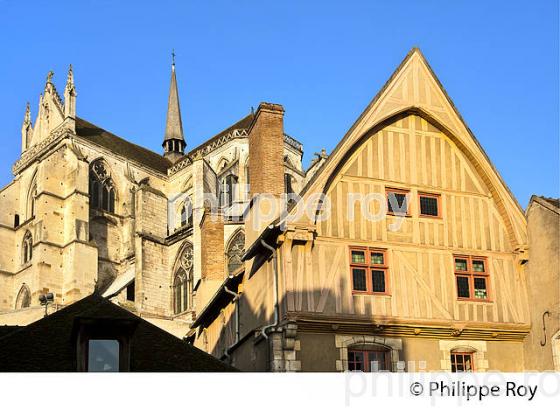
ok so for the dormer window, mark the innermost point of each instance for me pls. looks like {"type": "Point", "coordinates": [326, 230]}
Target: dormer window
{"type": "Point", "coordinates": [103, 355]}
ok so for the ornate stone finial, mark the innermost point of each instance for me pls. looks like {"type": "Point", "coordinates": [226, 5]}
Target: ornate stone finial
{"type": "Point", "coordinates": [27, 117]}
{"type": "Point", "coordinates": [50, 75]}
{"type": "Point", "coordinates": [70, 95]}
{"type": "Point", "coordinates": [70, 78]}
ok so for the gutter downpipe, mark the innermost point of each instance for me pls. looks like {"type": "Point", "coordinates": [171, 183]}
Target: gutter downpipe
{"type": "Point", "coordinates": [276, 307]}
{"type": "Point", "coordinates": [236, 300]}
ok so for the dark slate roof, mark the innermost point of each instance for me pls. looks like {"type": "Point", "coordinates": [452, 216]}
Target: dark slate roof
{"type": "Point", "coordinates": [103, 138]}
{"type": "Point", "coordinates": [6, 330]}
{"type": "Point", "coordinates": [243, 123]}
{"type": "Point", "coordinates": [49, 344]}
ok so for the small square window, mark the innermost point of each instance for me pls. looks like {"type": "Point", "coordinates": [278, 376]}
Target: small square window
{"type": "Point", "coordinates": [429, 205]}
{"type": "Point", "coordinates": [397, 203]}
{"type": "Point", "coordinates": [378, 281]}
{"type": "Point", "coordinates": [358, 257]}
{"type": "Point", "coordinates": [478, 266]}
{"type": "Point", "coordinates": [461, 265]}
{"type": "Point", "coordinates": [359, 279]}
{"type": "Point", "coordinates": [463, 287]}
{"type": "Point", "coordinates": [377, 258]}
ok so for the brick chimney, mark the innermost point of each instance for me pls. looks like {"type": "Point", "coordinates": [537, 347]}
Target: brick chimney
{"type": "Point", "coordinates": [266, 150]}
{"type": "Point", "coordinates": [212, 240]}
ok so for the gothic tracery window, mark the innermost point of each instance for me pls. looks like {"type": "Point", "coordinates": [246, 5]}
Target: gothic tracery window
{"type": "Point", "coordinates": [182, 281]}
{"type": "Point", "coordinates": [27, 247]}
{"type": "Point", "coordinates": [235, 252]}
{"type": "Point", "coordinates": [101, 188]}
{"type": "Point", "coordinates": [23, 299]}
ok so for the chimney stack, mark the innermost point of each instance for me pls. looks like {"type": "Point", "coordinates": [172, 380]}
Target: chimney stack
{"type": "Point", "coordinates": [266, 150]}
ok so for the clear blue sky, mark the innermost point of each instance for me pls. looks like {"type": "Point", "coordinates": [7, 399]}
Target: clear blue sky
{"type": "Point", "coordinates": [323, 60]}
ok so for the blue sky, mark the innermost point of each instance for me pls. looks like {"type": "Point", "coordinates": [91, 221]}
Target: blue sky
{"type": "Point", "coordinates": [323, 60]}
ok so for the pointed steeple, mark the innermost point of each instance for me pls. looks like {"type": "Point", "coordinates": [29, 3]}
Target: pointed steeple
{"type": "Point", "coordinates": [173, 141]}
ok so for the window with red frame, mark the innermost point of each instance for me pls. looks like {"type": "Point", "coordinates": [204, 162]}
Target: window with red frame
{"type": "Point", "coordinates": [471, 275]}
{"type": "Point", "coordinates": [397, 201]}
{"type": "Point", "coordinates": [429, 205]}
{"type": "Point", "coordinates": [369, 360]}
{"type": "Point", "coordinates": [462, 362]}
{"type": "Point", "coordinates": [369, 270]}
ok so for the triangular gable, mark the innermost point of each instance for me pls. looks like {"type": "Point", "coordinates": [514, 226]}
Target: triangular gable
{"type": "Point", "coordinates": [414, 88]}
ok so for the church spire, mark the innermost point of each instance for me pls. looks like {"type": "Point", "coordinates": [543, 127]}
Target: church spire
{"type": "Point", "coordinates": [173, 141]}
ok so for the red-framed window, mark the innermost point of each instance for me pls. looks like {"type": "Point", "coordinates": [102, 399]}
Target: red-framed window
{"type": "Point", "coordinates": [369, 269]}
{"type": "Point", "coordinates": [462, 362]}
{"type": "Point", "coordinates": [429, 205]}
{"type": "Point", "coordinates": [398, 201]}
{"type": "Point", "coordinates": [472, 278]}
{"type": "Point", "coordinates": [369, 360]}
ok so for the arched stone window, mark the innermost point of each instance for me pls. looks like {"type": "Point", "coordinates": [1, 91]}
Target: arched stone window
{"type": "Point", "coordinates": [27, 247]}
{"type": "Point", "coordinates": [235, 252]}
{"type": "Point", "coordinates": [368, 353]}
{"type": "Point", "coordinates": [229, 186]}
{"type": "Point", "coordinates": [186, 213]}
{"type": "Point", "coordinates": [463, 355]}
{"type": "Point", "coordinates": [102, 191]}
{"type": "Point", "coordinates": [23, 299]}
{"type": "Point", "coordinates": [369, 358]}
{"type": "Point", "coordinates": [31, 198]}
{"type": "Point", "coordinates": [182, 280]}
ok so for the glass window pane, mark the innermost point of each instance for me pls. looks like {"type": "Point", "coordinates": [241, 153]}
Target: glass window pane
{"type": "Point", "coordinates": [480, 291]}
{"type": "Point", "coordinates": [478, 266]}
{"type": "Point", "coordinates": [355, 361]}
{"type": "Point", "coordinates": [396, 203]}
{"type": "Point", "coordinates": [463, 287]}
{"type": "Point", "coordinates": [378, 280]}
{"type": "Point", "coordinates": [359, 279]}
{"type": "Point", "coordinates": [103, 356]}
{"type": "Point", "coordinates": [461, 264]}
{"type": "Point", "coordinates": [429, 205]}
{"type": "Point", "coordinates": [377, 258]}
{"type": "Point", "coordinates": [453, 363]}
{"type": "Point", "coordinates": [358, 257]}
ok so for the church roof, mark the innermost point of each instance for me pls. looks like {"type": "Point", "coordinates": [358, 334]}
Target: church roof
{"type": "Point", "coordinates": [103, 138]}
{"type": "Point", "coordinates": [243, 124]}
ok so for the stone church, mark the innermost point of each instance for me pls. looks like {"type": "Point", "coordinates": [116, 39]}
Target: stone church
{"type": "Point", "coordinates": [185, 239]}
{"type": "Point", "coordinates": [89, 211]}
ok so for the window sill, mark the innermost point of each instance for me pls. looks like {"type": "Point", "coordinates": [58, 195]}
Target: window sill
{"type": "Point", "coordinates": [355, 292]}
{"type": "Point", "coordinates": [487, 301]}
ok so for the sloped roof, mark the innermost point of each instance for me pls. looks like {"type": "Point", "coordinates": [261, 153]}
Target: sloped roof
{"type": "Point", "coordinates": [7, 329]}
{"type": "Point", "coordinates": [553, 201]}
{"type": "Point", "coordinates": [49, 344]}
{"type": "Point", "coordinates": [103, 138]}
{"type": "Point", "coordinates": [553, 204]}
{"type": "Point", "coordinates": [243, 123]}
